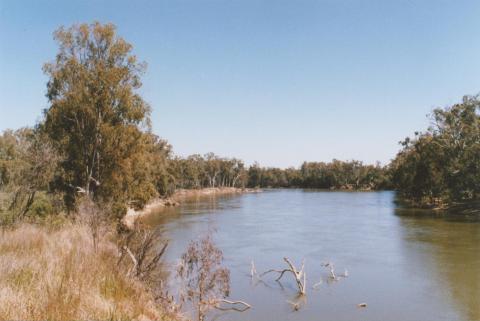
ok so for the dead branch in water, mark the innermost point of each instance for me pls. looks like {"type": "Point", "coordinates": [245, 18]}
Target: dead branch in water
{"type": "Point", "coordinates": [299, 275]}
{"type": "Point", "coordinates": [253, 271]}
{"type": "Point", "coordinates": [234, 304]}
{"type": "Point", "coordinates": [333, 276]}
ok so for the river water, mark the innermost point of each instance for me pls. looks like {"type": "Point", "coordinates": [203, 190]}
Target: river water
{"type": "Point", "coordinates": [405, 265]}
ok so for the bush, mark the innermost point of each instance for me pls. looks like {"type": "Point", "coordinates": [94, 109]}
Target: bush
{"type": "Point", "coordinates": [41, 207]}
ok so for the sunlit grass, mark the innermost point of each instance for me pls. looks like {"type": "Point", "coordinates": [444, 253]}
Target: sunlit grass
{"type": "Point", "coordinates": [57, 275]}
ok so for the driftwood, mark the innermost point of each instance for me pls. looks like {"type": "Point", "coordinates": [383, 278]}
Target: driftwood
{"type": "Point", "coordinates": [332, 277]}
{"type": "Point", "coordinates": [253, 270]}
{"type": "Point", "coordinates": [299, 275]}
{"type": "Point", "coordinates": [234, 307]}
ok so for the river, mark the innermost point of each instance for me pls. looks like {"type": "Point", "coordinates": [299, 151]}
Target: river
{"type": "Point", "coordinates": [405, 265]}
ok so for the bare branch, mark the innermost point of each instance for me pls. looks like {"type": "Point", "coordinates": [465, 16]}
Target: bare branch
{"type": "Point", "coordinates": [245, 305]}
{"type": "Point", "coordinates": [297, 274]}
{"type": "Point", "coordinates": [253, 270]}
{"type": "Point", "coordinates": [134, 260]}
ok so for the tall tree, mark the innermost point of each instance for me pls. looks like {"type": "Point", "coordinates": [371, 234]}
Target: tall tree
{"type": "Point", "coordinates": [96, 117]}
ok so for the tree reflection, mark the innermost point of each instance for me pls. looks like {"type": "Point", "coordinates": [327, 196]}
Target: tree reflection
{"type": "Point", "coordinates": [451, 255]}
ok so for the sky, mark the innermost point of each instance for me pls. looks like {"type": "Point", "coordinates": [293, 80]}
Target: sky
{"type": "Point", "coordinates": [277, 82]}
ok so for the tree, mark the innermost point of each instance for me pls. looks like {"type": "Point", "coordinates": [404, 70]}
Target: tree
{"type": "Point", "coordinates": [212, 168]}
{"type": "Point", "coordinates": [206, 282]}
{"type": "Point", "coordinates": [27, 166]}
{"type": "Point", "coordinates": [96, 116]}
{"type": "Point", "coordinates": [442, 165]}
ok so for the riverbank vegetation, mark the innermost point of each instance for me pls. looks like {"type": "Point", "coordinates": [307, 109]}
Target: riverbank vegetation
{"type": "Point", "coordinates": [198, 171]}
{"type": "Point", "coordinates": [349, 175]}
{"type": "Point", "coordinates": [66, 183]}
{"type": "Point", "coordinates": [58, 274]}
{"type": "Point", "coordinates": [441, 166]}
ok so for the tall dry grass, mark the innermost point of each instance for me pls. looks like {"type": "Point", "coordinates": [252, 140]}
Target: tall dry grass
{"type": "Point", "coordinates": [57, 275]}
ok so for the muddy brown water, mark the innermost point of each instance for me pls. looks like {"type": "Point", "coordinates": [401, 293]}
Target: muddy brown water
{"type": "Point", "coordinates": [405, 265]}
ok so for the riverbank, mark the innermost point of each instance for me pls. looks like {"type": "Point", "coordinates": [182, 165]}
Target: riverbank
{"type": "Point", "coordinates": [180, 196]}
{"type": "Point", "coordinates": [60, 274]}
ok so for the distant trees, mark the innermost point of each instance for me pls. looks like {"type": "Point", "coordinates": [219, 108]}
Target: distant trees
{"type": "Point", "coordinates": [442, 165]}
{"type": "Point", "coordinates": [337, 174]}
{"type": "Point", "coordinates": [198, 171]}
{"type": "Point", "coordinates": [346, 175]}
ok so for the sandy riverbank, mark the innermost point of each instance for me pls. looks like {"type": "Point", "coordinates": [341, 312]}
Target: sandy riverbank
{"type": "Point", "coordinates": [180, 196]}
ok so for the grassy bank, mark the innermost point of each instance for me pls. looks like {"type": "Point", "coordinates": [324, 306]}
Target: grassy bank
{"type": "Point", "coordinates": [57, 275]}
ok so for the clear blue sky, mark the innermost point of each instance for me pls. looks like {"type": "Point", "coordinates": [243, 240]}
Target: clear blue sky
{"type": "Point", "coordinates": [275, 81]}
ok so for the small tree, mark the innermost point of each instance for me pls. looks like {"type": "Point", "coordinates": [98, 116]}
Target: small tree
{"type": "Point", "coordinates": [90, 214]}
{"type": "Point", "coordinates": [204, 278]}
{"type": "Point", "coordinates": [144, 247]}
{"type": "Point", "coordinates": [206, 283]}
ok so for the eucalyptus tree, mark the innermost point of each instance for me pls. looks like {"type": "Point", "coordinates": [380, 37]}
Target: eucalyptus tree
{"type": "Point", "coordinates": [442, 165]}
{"type": "Point", "coordinates": [96, 118]}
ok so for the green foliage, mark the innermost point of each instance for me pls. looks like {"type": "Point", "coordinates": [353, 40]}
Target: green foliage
{"type": "Point", "coordinates": [98, 122]}
{"type": "Point", "coordinates": [28, 163]}
{"type": "Point", "coordinates": [198, 171]}
{"type": "Point", "coordinates": [335, 175]}
{"type": "Point", "coordinates": [41, 207]}
{"type": "Point", "coordinates": [442, 165]}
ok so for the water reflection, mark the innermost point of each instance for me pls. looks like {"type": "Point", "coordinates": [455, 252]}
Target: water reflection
{"type": "Point", "coordinates": [446, 246]}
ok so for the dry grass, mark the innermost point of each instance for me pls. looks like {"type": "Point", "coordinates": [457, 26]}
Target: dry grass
{"type": "Point", "coordinates": [57, 275]}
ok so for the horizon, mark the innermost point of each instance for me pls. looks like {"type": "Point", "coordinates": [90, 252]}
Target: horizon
{"type": "Point", "coordinates": [272, 82]}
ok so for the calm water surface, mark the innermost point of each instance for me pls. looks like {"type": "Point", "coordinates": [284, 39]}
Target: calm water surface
{"type": "Point", "coordinates": [404, 265]}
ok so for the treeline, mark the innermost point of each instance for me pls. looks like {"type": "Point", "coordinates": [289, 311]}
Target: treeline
{"type": "Point", "coordinates": [95, 141]}
{"type": "Point", "coordinates": [349, 175]}
{"type": "Point", "coordinates": [198, 171]}
{"type": "Point", "coordinates": [441, 166]}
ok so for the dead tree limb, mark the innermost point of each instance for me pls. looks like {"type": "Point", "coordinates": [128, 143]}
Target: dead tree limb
{"type": "Point", "coordinates": [300, 275]}
{"type": "Point", "coordinates": [253, 270]}
{"type": "Point", "coordinates": [134, 260]}
{"type": "Point", "coordinates": [234, 304]}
